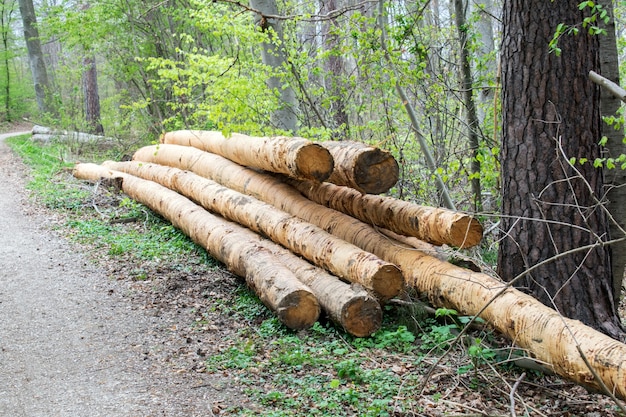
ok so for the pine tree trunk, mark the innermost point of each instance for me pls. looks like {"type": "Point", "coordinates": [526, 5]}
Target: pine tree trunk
{"type": "Point", "coordinates": [550, 107]}
{"type": "Point", "coordinates": [91, 97]}
{"type": "Point", "coordinates": [285, 117]}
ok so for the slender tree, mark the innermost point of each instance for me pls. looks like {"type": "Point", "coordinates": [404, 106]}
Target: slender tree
{"type": "Point", "coordinates": [273, 54]}
{"type": "Point", "coordinates": [615, 178]}
{"type": "Point", "coordinates": [90, 91]}
{"type": "Point", "coordinates": [334, 66]}
{"type": "Point", "coordinates": [551, 217]}
{"type": "Point", "coordinates": [42, 85]}
{"type": "Point", "coordinates": [468, 99]}
{"type": "Point", "coordinates": [6, 19]}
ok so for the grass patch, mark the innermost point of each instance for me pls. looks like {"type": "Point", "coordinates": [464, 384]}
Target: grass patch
{"type": "Point", "coordinates": [99, 217]}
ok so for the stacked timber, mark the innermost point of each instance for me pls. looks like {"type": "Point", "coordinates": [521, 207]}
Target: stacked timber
{"type": "Point", "coordinates": [302, 243]}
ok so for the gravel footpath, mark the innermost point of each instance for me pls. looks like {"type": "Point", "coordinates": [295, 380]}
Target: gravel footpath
{"type": "Point", "coordinates": [71, 342]}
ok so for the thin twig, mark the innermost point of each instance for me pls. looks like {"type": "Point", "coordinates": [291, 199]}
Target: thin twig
{"type": "Point", "coordinates": [512, 393]}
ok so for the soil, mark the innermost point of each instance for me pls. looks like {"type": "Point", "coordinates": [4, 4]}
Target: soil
{"type": "Point", "coordinates": [75, 340]}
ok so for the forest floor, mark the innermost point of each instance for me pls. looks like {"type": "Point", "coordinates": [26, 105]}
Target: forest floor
{"type": "Point", "coordinates": [86, 334]}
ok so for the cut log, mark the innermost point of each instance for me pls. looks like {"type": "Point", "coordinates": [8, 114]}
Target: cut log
{"type": "Point", "coordinates": [296, 157]}
{"type": "Point", "coordinates": [365, 168]}
{"type": "Point", "coordinates": [350, 306]}
{"type": "Point", "coordinates": [548, 336]}
{"type": "Point", "coordinates": [433, 225]}
{"type": "Point", "coordinates": [321, 248]}
{"type": "Point", "coordinates": [45, 134]}
{"type": "Point", "coordinates": [243, 251]}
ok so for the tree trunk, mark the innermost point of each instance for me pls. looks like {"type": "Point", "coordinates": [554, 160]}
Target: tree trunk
{"type": "Point", "coordinates": [43, 91]}
{"type": "Point", "coordinates": [296, 157]}
{"type": "Point", "coordinates": [343, 259]}
{"type": "Point", "coordinates": [6, 14]}
{"type": "Point", "coordinates": [470, 107]}
{"type": "Point", "coordinates": [433, 225]}
{"type": "Point", "coordinates": [615, 179]}
{"type": "Point", "coordinates": [91, 97]}
{"type": "Point", "coordinates": [273, 54]}
{"type": "Point", "coordinates": [334, 68]}
{"type": "Point", "coordinates": [549, 210]}
{"type": "Point", "coordinates": [548, 336]}
{"type": "Point", "coordinates": [486, 70]}
{"type": "Point", "coordinates": [241, 250]}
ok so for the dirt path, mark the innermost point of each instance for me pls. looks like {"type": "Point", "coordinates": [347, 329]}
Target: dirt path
{"type": "Point", "coordinates": [71, 343]}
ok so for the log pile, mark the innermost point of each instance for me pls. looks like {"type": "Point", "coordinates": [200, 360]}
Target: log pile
{"type": "Point", "coordinates": [260, 223]}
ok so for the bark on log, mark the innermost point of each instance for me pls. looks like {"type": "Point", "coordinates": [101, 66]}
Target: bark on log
{"type": "Point", "coordinates": [433, 225]}
{"type": "Point", "coordinates": [243, 251]}
{"type": "Point", "coordinates": [365, 168]}
{"type": "Point", "coordinates": [343, 259]}
{"type": "Point", "coordinates": [296, 157]}
{"type": "Point", "coordinates": [548, 336]}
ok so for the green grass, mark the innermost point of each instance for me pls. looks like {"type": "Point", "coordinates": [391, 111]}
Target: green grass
{"type": "Point", "coordinates": [93, 218]}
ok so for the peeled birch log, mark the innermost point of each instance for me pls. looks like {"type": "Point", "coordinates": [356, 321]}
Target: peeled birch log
{"type": "Point", "coordinates": [365, 168]}
{"type": "Point", "coordinates": [343, 259]}
{"type": "Point", "coordinates": [243, 251]}
{"type": "Point", "coordinates": [548, 336]}
{"type": "Point", "coordinates": [350, 306]}
{"type": "Point", "coordinates": [296, 157]}
{"type": "Point", "coordinates": [433, 225]}
{"type": "Point", "coordinates": [45, 134]}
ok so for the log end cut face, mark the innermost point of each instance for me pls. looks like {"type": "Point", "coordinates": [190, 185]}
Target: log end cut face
{"type": "Point", "coordinates": [314, 162]}
{"type": "Point", "coordinates": [299, 310]}
{"type": "Point", "coordinates": [362, 317]}
{"type": "Point", "coordinates": [376, 171]}
{"type": "Point", "coordinates": [466, 232]}
{"type": "Point", "coordinates": [387, 282]}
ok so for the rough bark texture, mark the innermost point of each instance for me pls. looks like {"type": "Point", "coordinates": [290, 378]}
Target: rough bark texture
{"type": "Point", "coordinates": [365, 168]}
{"type": "Point", "coordinates": [244, 252]}
{"type": "Point", "coordinates": [548, 102]}
{"type": "Point", "coordinates": [615, 179]}
{"type": "Point", "coordinates": [341, 258]}
{"type": "Point", "coordinates": [433, 225]}
{"type": "Point", "coordinates": [547, 335]}
{"type": "Point", "coordinates": [296, 157]}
